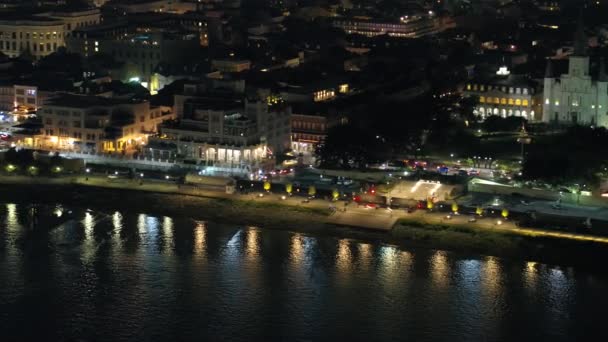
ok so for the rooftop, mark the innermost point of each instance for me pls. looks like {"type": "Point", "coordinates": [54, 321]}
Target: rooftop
{"type": "Point", "coordinates": [82, 101]}
{"type": "Point", "coordinates": [16, 18]}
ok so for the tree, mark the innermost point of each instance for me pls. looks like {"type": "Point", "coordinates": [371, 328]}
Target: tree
{"type": "Point", "coordinates": [495, 123]}
{"type": "Point", "coordinates": [288, 188]}
{"type": "Point", "coordinates": [312, 191]}
{"type": "Point", "coordinates": [577, 155]}
{"type": "Point", "coordinates": [348, 146]}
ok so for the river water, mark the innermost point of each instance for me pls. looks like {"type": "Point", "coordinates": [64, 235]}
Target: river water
{"type": "Point", "coordinates": [99, 276]}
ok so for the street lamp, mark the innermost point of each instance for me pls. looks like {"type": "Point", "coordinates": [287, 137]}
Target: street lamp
{"type": "Point", "coordinates": [87, 170]}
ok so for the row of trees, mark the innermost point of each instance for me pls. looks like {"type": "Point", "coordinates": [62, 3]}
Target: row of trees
{"type": "Point", "coordinates": [312, 190]}
{"type": "Point", "coordinates": [30, 163]}
{"type": "Point", "coordinates": [576, 155]}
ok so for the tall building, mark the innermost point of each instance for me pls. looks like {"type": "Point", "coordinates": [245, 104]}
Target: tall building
{"type": "Point", "coordinates": [577, 97]}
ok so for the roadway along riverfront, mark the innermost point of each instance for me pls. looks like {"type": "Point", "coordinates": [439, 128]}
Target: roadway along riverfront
{"type": "Point", "coordinates": [350, 215]}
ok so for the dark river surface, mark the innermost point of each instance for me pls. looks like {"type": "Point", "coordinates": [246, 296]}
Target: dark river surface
{"type": "Point", "coordinates": [96, 276]}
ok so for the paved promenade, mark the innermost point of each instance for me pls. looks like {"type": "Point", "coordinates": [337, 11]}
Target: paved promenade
{"type": "Point", "coordinates": [355, 216]}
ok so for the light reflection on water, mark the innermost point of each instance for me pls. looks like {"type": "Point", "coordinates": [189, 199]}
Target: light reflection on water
{"type": "Point", "coordinates": [200, 238]}
{"type": "Point", "coordinates": [206, 281]}
{"type": "Point", "coordinates": [440, 269]}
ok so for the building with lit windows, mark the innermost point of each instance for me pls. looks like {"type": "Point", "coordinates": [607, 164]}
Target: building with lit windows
{"type": "Point", "coordinates": [39, 36]}
{"type": "Point", "coordinates": [97, 124]}
{"type": "Point", "coordinates": [307, 131]}
{"type": "Point", "coordinates": [141, 51]}
{"type": "Point", "coordinates": [226, 130]}
{"type": "Point", "coordinates": [577, 97]}
{"type": "Point", "coordinates": [75, 19]}
{"type": "Point", "coordinates": [506, 95]}
{"type": "Point", "coordinates": [412, 26]}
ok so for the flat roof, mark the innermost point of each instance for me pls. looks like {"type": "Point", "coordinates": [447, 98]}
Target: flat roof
{"type": "Point", "coordinates": [84, 101]}
{"type": "Point", "coordinates": [15, 18]}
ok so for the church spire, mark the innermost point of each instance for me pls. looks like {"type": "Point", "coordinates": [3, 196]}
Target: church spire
{"type": "Point", "coordinates": [580, 39]}
{"type": "Point", "coordinates": [549, 69]}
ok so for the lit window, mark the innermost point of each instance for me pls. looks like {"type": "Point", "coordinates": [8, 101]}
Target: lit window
{"type": "Point", "coordinates": [518, 102]}
{"type": "Point", "coordinates": [547, 101]}
{"type": "Point", "coordinates": [96, 43]}
{"type": "Point", "coordinates": [482, 99]}
{"type": "Point", "coordinates": [592, 106]}
{"type": "Point", "coordinates": [524, 103]}
{"type": "Point", "coordinates": [511, 102]}
{"type": "Point", "coordinates": [557, 103]}
{"type": "Point", "coordinates": [503, 101]}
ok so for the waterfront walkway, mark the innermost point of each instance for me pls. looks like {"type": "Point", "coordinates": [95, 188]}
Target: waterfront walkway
{"type": "Point", "coordinates": [350, 215]}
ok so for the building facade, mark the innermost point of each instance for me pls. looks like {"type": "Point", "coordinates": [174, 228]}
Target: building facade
{"type": "Point", "coordinates": [413, 26]}
{"type": "Point", "coordinates": [307, 131]}
{"type": "Point", "coordinates": [39, 36]}
{"type": "Point", "coordinates": [576, 97]}
{"type": "Point", "coordinates": [97, 124]}
{"type": "Point", "coordinates": [227, 130]}
{"type": "Point", "coordinates": [506, 95]}
{"type": "Point", "coordinates": [141, 51]}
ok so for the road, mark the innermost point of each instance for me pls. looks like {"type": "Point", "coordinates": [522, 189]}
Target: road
{"type": "Point", "coordinates": [379, 219]}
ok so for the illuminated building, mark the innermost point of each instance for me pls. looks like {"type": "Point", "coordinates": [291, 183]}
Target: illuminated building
{"type": "Point", "coordinates": [141, 51]}
{"type": "Point", "coordinates": [226, 130]}
{"type": "Point", "coordinates": [39, 36]}
{"type": "Point", "coordinates": [230, 65]}
{"type": "Point", "coordinates": [307, 131]}
{"type": "Point", "coordinates": [75, 19]}
{"type": "Point", "coordinates": [577, 97]}
{"type": "Point", "coordinates": [42, 33]}
{"type": "Point", "coordinates": [506, 95]}
{"type": "Point", "coordinates": [98, 124]}
{"type": "Point", "coordinates": [143, 6]}
{"type": "Point", "coordinates": [410, 26]}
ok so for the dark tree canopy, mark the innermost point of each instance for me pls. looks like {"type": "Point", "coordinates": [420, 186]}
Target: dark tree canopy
{"type": "Point", "coordinates": [348, 146]}
{"type": "Point", "coordinates": [579, 154]}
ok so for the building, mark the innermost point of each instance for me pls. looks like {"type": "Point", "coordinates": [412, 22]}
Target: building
{"type": "Point", "coordinates": [230, 65]}
{"type": "Point", "coordinates": [7, 97]}
{"type": "Point", "coordinates": [75, 19]}
{"type": "Point", "coordinates": [307, 131]}
{"type": "Point", "coordinates": [141, 51]}
{"type": "Point", "coordinates": [143, 6]}
{"type": "Point", "coordinates": [39, 36]}
{"type": "Point", "coordinates": [227, 130]}
{"type": "Point", "coordinates": [411, 26]}
{"type": "Point", "coordinates": [97, 124]}
{"type": "Point", "coordinates": [506, 95]}
{"type": "Point", "coordinates": [577, 97]}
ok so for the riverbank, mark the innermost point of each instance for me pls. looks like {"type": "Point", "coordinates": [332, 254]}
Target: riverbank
{"type": "Point", "coordinates": [408, 232]}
